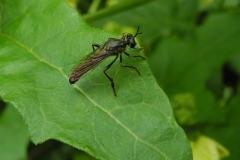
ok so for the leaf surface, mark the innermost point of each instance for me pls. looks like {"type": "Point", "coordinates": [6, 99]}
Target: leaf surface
{"type": "Point", "coordinates": [40, 41]}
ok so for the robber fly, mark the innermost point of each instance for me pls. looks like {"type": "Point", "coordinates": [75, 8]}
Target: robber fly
{"type": "Point", "coordinates": [113, 47]}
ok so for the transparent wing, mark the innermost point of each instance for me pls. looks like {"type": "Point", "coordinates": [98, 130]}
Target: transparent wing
{"type": "Point", "coordinates": [87, 64]}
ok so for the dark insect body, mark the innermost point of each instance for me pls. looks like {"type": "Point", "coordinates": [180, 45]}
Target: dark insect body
{"type": "Point", "coordinates": [113, 47]}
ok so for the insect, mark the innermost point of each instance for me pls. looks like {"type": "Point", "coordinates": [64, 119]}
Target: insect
{"type": "Point", "coordinates": [113, 47]}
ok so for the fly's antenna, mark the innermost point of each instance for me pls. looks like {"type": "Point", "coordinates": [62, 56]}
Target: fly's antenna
{"type": "Point", "coordinates": [137, 32]}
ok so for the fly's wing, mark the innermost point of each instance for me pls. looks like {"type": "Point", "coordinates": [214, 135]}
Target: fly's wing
{"type": "Point", "coordinates": [88, 63]}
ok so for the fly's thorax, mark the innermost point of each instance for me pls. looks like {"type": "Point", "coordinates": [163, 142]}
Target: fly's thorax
{"type": "Point", "coordinates": [115, 45]}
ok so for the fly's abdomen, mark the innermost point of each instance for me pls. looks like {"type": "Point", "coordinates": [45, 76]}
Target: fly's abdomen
{"type": "Point", "coordinates": [77, 74]}
{"type": "Point", "coordinates": [74, 78]}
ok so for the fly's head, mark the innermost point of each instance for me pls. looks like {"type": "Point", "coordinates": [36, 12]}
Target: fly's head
{"type": "Point", "coordinates": [130, 39]}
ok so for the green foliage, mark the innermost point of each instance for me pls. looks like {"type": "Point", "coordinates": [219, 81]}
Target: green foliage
{"type": "Point", "coordinates": [14, 136]}
{"type": "Point", "coordinates": [187, 66]}
{"type": "Point", "coordinates": [156, 18]}
{"type": "Point", "coordinates": [191, 48]}
{"type": "Point", "coordinates": [40, 41]}
{"type": "Point", "coordinates": [228, 132]}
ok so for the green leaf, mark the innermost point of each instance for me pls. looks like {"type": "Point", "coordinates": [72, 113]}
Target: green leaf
{"type": "Point", "coordinates": [185, 66]}
{"type": "Point", "coordinates": [227, 132]}
{"type": "Point", "coordinates": [14, 137]}
{"type": "Point", "coordinates": [40, 41]}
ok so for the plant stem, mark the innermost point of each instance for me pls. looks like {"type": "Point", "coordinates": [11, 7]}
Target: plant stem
{"type": "Point", "coordinates": [115, 9]}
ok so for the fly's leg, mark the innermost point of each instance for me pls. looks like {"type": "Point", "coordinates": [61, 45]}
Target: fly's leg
{"type": "Point", "coordinates": [129, 55]}
{"type": "Point", "coordinates": [110, 79]}
{"type": "Point", "coordinates": [129, 66]}
{"type": "Point", "coordinates": [95, 45]}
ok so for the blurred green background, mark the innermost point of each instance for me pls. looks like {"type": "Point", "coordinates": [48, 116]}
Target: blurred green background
{"type": "Point", "coordinates": [192, 48]}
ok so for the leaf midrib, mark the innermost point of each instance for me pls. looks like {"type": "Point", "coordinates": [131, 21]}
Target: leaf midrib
{"type": "Point", "coordinates": [85, 94]}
